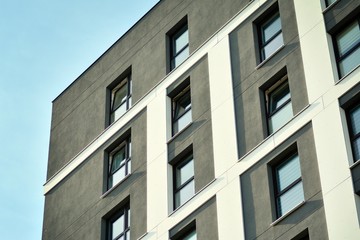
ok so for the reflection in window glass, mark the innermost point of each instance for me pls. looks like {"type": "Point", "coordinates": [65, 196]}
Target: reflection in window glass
{"type": "Point", "coordinates": [120, 99]}
{"type": "Point", "coordinates": [179, 47]}
{"type": "Point", "coordinates": [119, 163]}
{"type": "Point", "coordinates": [289, 187]}
{"type": "Point", "coordinates": [119, 225]}
{"type": "Point", "coordinates": [354, 130]}
{"type": "Point", "coordinates": [348, 48]}
{"type": "Point", "coordinates": [181, 110]}
{"type": "Point", "coordinates": [184, 185]}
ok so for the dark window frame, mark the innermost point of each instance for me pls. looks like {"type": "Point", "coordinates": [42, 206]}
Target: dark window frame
{"type": "Point", "coordinates": [282, 83]}
{"type": "Point", "coordinates": [126, 80]}
{"type": "Point", "coordinates": [277, 192]}
{"type": "Point", "coordinates": [174, 107]}
{"type": "Point", "coordinates": [172, 42]}
{"type": "Point", "coordinates": [353, 137]}
{"type": "Point", "coordinates": [123, 211]}
{"type": "Point", "coordinates": [126, 143]}
{"type": "Point", "coordinates": [339, 58]}
{"type": "Point", "coordinates": [272, 16]}
{"type": "Point", "coordinates": [182, 162]}
{"type": "Point", "coordinates": [185, 232]}
{"type": "Point", "coordinates": [328, 3]}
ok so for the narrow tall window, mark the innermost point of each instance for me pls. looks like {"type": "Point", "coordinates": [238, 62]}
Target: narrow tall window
{"type": "Point", "coordinates": [354, 130]}
{"type": "Point", "coordinates": [184, 184]}
{"type": "Point", "coordinates": [271, 38]}
{"type": "Point", "coordinates": [279, 107]}
{"type": "Point", "coordinates": [119, 225]}
{"type": "Point", "coordinates": [119, 163]}
{"type": "Point", "coordinates": [120, 99]}
{"type": "Point", "coordinates": [181, 110]}
{"type": "Point", "coordinates": [288, 185]}
{"type": "Point", "coordinates": [347, 43]}
{"type": "Point", "coordinates": [179, 46]}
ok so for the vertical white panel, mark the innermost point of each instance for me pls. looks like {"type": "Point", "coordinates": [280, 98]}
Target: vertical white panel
{"type": "Point", "coordinates": [222, 107]}
{"type": "Point", "coordinates": [157, 169]}
{"type": "Point", "coordinates": [335, 177]}
{"type": "Point", "coordinates": [229, 212]}
{"type": "Point", "coordinates": [314, 48]}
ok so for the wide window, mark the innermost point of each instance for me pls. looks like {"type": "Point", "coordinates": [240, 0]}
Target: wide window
{"type": "Point", "coordinates": [279, 107]}
{"type": "Point", "coordinates": [288, 185]}
{"type": "Point", "coordinates": [189, 235]}
{"type": "Point", "coordinates": [354, 130]}
{"type": "Point", "coordinates": [120, 99]}
{"type": "Point", "coordinates": [184, 184]}
{"type": "Point", "coordinates": [179, 46]}
{"type": "Point", "coordinates": [347, 43]}
{"type": "Point", "coordinates": [181, 110]}
{"type": "Point", "coordinates": [119, 225]}
{"type": "Point", "coordinates": [119, 163]}
{"type": "Point", "coordinates": [271, 38]}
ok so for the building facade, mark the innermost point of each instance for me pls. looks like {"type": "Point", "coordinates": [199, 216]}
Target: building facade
{"type": "Point", "coordinates": [213, 119]}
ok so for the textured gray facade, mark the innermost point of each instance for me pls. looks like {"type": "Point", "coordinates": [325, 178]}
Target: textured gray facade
{"type": "Point", "coordinates": [236, 157]}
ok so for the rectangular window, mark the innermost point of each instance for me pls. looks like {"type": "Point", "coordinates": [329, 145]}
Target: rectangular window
{"type": "Point", "coordinates": [184, 183]}
{"type": "Point", "coordinates": [119, 163]}
{"type": "Point", "coordinates": [347, 45]}
{"type": "Point", "coordinates": [189, 235]}
{"type": "Point", "coordinates": [288, 185]}
{"type": "Point", "coordinates": [120, 99]}
{"type": "Point", "coordinates": [278, 105]}
{"type": "Point", "coordinates": [270, 36]}
{"type": "Point", "coordinates": [353, 116]}
{"type": "Point", "coordinates": [179, 46]}
{"type": "Point", "coordinates": [119, 225]}
{"type": "Point", "coordinates": [181, 110]}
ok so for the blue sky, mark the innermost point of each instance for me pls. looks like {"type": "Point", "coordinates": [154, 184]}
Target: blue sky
{"type": "Point", "coordinates": [44, 46]}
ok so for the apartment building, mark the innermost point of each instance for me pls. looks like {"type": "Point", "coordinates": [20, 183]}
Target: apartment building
{"type": "Point", "coordinates": [211, 119]}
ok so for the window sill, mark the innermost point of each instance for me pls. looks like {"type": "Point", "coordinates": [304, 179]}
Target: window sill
{"type": "Point", "coordinates": [178, 133]}
{"type": "Point", "coordinates": [287, 213]}
{"type": "Point", "coordinates": [346, 75]}
{"type": "Point", "coordinates": [115, 186]}
{"type": "Point", "coordinates": [270, 57]}
{"type": "Point", "coordinates": [197, 193]}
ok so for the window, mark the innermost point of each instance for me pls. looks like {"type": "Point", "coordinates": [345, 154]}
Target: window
{"type": "Point", "coordinates": [179, 46]}
{"type": "Point", "coordinates": [353, 116]}
{"type": "Point", "coordinates": [347, 44]}
{"type": "Point", "coordinates": [189, 235]}
{"type": "Point", "coordinates": [278, 105]}
{"type": "Point", "coordinates": [181, 110]}
{"type": "Point", "coordinates": [119, 225]}
{"type": "Point", "coordinates": [329, 2]}
{"type": "Point", "coordinates": [120, 99]}
{"type": "Point", "coordinates": [119, 163]}
{"type": "Point", "coordinates": [271, 38]}
{"type": "Point", "coordinates": [184, 184]}
{"type": "Point", "coordinates": [288, 185]}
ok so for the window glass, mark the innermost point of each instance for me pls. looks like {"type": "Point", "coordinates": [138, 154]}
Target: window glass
{"type": "Point", "coordinates": [354, 130]}
{"type": "Point", "coordinates": [288, 172]}
{"type": "Point", "coordinates": [118, 226]}
{"type": "Point", "coordinates": [179, 47]}
{"type": "Point", "coordinates": [181, 110]}
{"type": "Point", "coordinates": [280, 118]}
{"type": "Point", "coordinates": [348, 48]}
{"type": "Point", "coordinates": [185, 194]}
{"type": "Point", "coordinates": [291, 198]}
{"type": "Point", "coordinates": [271, 36]}
{"type": "Point", "coordinates": [120, 163]}
{"type": "Point", "coordinates": [190, 236]}
{"type": "Point", "coordinates": [271, 28]}
{"type": "Point", "coordinates": [185, 172]}
{"type": "Point", "coordinates": [329, 2]}
{"type": "Point", "coordinates": [120, 99]}
{"type": "Point", "coordinates": [289, 187]}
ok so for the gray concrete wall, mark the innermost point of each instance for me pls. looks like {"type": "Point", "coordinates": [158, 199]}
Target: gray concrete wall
{"type": "Point", "coordinates": [79, 112]}
{"type": "Point", "coordinates": [75, 209]}
{"type": "Point", "coordinates": [249, 81]}
{"type": "Point", "coordinates": [199, 133]}
{"type": "Point", "coordinates": [258, 197]}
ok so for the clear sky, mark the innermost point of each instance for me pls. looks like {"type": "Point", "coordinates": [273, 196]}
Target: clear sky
{"type": "Point", "coordinates": [44, 46]}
